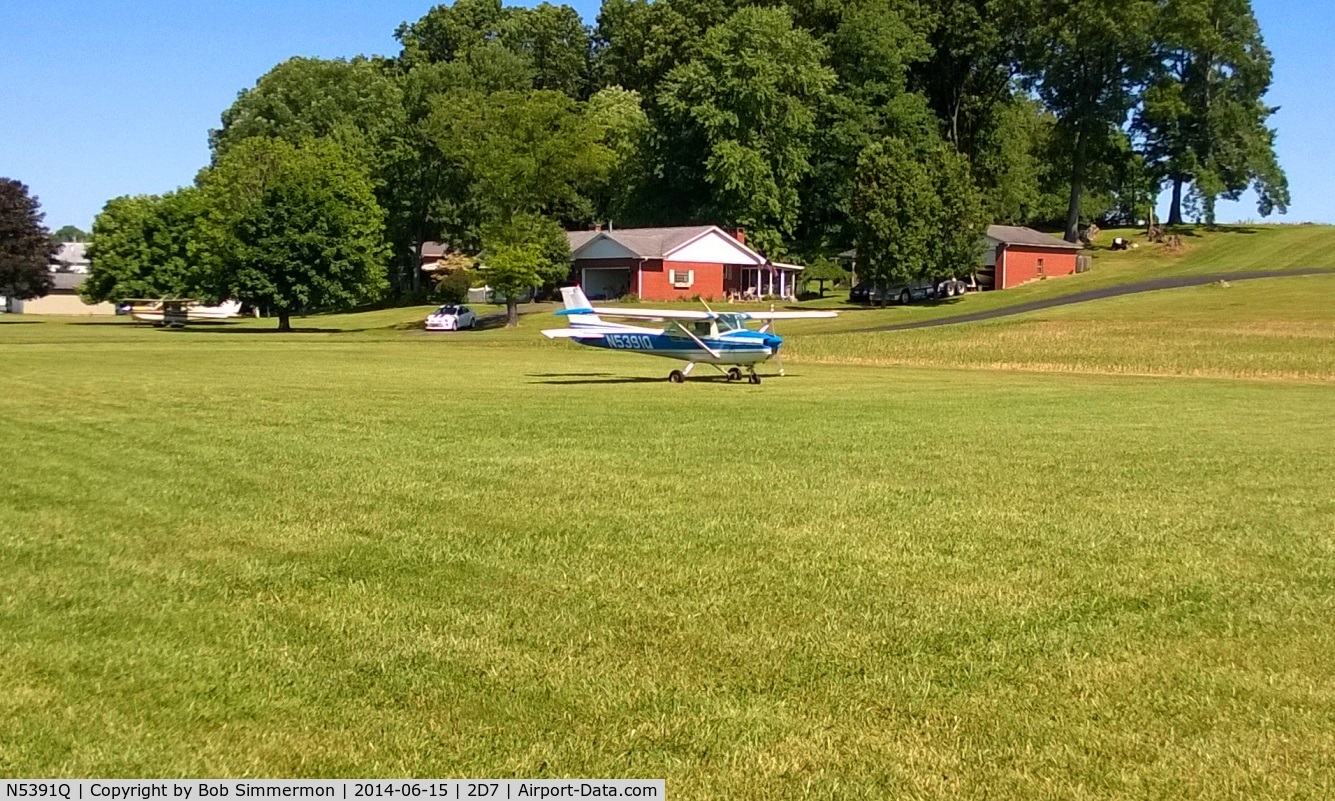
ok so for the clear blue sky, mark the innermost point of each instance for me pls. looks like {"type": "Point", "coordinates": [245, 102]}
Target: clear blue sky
{"type": "Point", "coordinates": [113, 98]}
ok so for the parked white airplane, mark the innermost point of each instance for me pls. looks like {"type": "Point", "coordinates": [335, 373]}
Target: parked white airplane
{"type": "Point", "coordinates": [159, 312]}
{"type": "Point", "coordinates": [704, 337]}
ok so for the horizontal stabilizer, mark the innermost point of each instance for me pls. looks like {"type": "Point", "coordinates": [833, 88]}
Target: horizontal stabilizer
{"type": "Point", "coordinates": [571, 333]}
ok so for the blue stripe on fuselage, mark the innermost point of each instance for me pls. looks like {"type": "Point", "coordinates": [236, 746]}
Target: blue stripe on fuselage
{"type": "Point", "coordinates": [649, 343]}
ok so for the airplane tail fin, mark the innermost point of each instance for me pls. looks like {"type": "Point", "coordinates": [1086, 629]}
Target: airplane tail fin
{"type": "Point", "coordinates": [577, 307]}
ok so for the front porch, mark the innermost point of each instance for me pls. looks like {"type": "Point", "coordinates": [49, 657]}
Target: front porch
{"type": "Point", "coordinates": [742, 282]}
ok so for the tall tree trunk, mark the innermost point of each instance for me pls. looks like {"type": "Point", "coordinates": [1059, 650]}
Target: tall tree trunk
{"type": "Point", "coordinates": [1077, 186]}
{"type": "Point", "coordinates": [1175, 208]}
{"type": "Point", "coordinates": [511, 311]}
{"type": "Point", "coordinates": [284, 321]}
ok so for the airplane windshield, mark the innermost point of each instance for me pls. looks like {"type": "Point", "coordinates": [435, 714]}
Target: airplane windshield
{"type": "Point", "coordinates": [730, 322]}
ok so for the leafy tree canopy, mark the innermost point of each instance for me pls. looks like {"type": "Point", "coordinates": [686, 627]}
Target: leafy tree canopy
{"type": "Point", "coordinates": [918, 213]}
{"type": "Point", "coordinates": [1202, 117]}
{"type": "Point", "coordinates": [294, 228]}
{"type": "Point", "coordinates": [147, 246]}
{"type": "Point", "coordinates": [523, 152]}
{"type": "Point", "coordinates": [356, 102]}
{"type": "Point", "coordinates": [750, 98]}
{"type": "Point", "coordinates": [1087, 59]}
{"type": "Point", "coordinates": [522, 253]}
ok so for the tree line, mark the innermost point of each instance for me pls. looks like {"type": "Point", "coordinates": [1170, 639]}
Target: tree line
{"type": "Point", "coordinates": [900, 127]}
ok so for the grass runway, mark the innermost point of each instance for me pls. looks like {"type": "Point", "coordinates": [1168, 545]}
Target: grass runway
{"type": "Point", "coordinates": [382, 553]}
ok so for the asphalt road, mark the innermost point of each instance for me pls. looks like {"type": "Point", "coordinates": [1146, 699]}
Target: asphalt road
{"type": "Point", "coordinates": [1152, 285]}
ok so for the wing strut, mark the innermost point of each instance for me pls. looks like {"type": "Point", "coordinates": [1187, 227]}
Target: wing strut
{"type": "Point", "coordinates": [700, 342]}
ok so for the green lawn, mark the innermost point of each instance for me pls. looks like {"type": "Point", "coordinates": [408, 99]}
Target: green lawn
{"type": "Point", "coordinates": [375, 551]}
{"type": "Point", "coordinates": [1221, 250]}
{"type": "Point", "coordinates": [1265, 328]}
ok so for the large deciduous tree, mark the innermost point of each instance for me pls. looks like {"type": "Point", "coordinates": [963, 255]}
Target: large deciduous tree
{"type": "Point", "coordinates": [294, 228]}
{"type": "Point", "coordinates": [1087, 60]}
{"type": "Point", "coordinates": [146, 246]}
{"type": "Point", "coordinates": [1203, 117]}
{"type": "Point", "coordinates": [523, 152]}
{"type": "Point", "coordinates": [624, 129]}
{"type": "Point", "coordinates": [918, 213]}
{"type": "Point", "coordinates": [896, 208]}
{"type": "Point", "coordinates": [745, 110]}
{"type": "Point", "coordinates": [26, 246]}
{"type": "Point", "coordinates": [525, 252]}
{"type": "Point", "coordinates": [357, 102]}
{"type": "Point", "coordinates": [447, 32]}
{"type": "Point", "coordinates": [555, 43]}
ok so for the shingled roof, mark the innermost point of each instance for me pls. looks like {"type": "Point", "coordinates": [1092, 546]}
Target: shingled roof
{"type": "Point", "coordinates": [1017, 235]}
{"type": "Point", "coordinates": [645, 243]}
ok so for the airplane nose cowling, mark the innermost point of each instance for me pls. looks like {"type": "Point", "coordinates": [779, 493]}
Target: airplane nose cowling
{"type": "Point", "coordinates": [773, 341]}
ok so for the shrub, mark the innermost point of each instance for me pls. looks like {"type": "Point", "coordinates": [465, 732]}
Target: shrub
{"type": "Point", "coordinates": [452, 286]}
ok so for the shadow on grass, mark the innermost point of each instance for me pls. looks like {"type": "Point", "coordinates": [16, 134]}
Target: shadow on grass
{"type": "Point", "coordinates": [613, 378]}
{"type": "Point", "coordinates": [20, 322]}
{"type": "Point", "coordinates": [193, 325]}
{"type": "Point", "coordinates": [295, 330]}
{"type": "Point", "coordinates": [595, 378]}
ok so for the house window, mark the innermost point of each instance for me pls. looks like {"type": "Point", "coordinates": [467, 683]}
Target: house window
{"type": "Point", "coordinates": [682, 279]}
{"type": "Point", "coordinates": [1040, 266]}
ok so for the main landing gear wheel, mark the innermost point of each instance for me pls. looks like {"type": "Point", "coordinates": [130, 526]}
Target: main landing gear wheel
{"type": "Point", "coordinates": [755, 379]}
{"type": "Point", "coordinates": [734, 374]}
{"type": "Point", "coordinates": [676, 376]}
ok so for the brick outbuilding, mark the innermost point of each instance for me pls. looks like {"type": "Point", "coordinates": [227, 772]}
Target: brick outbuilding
{"type": "Point", "coordinates": [675, 263]}
{"type": "Point", "coordinates": [1015, 255]}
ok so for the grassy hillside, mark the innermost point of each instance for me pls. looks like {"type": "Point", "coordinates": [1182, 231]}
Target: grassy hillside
{"type": "Point", "coordinates": [1268, 328]}
{"type": "Point", "coordinates": [1224, 249]}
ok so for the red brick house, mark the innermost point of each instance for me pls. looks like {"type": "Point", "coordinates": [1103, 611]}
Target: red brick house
{"type": "Point", "coordinates": [674, 264]}
{"type": "Point", "coordinates": [1014, 255]}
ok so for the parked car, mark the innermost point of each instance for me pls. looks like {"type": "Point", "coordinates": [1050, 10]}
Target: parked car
{"type": "Point", "coordinates": [451, 318]}
{"type": "Point", "coordinates": [905, 293]}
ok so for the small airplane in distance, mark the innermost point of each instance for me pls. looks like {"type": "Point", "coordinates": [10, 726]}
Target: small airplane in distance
{"type": "Point", "coordinates": [179, 311]}
{"type": "Point", "coordinates": [694, 337]}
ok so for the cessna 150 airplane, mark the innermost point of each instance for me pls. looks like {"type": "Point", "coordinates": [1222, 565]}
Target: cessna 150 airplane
{"type": "Point", "coordinates": [179, 311]}
{"type": "Point", "coordinates": [694, 337]}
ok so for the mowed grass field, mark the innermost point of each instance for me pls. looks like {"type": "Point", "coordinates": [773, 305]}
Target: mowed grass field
{"type": "Point", "coordinates": [1098, 565]}
{"type": "Point", "coordinates": [1270, 328]}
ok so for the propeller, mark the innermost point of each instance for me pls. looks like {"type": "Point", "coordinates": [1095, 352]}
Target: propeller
{"type": "Point", "coordinates": [778, 352]}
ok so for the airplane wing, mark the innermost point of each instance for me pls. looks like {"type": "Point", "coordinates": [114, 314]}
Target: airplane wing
{"type": "Point", "coordinates": [641, 314]}
{"type": "Point", "coordinates": [686, 314]}
{"type": "Point", "coordinates": [790, 315]}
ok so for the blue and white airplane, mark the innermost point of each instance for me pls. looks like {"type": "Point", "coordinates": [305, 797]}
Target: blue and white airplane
{"type": "Point", "coordinates": [694, 337]}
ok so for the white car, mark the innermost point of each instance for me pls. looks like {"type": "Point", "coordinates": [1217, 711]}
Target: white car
{"type": "Point", "coordinates": [451, 318]}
